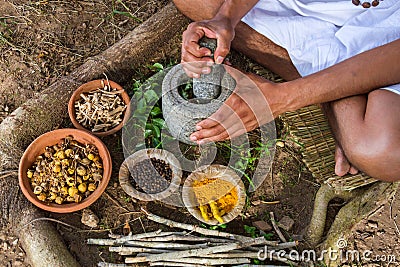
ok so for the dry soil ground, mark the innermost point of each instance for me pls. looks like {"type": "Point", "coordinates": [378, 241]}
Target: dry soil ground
{"type": "Point", "coordinates": [41, 41]}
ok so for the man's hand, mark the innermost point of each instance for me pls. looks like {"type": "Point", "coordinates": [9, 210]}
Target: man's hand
{"type": "Point", "coordinates": [246, 109]}
{"type": "Point", "coordinates": [199, 57]}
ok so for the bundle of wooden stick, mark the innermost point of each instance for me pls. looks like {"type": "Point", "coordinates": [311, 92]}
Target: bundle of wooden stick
{"type": "Point", "coordinates": [196, 246]}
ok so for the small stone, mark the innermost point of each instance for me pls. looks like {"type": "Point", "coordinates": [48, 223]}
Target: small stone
{"type": "Point", "coordinates": [3, 236]}
{"type": "Point", "coordinates": [89, 218]}
{"type": "Point", "coordinates": [286, 223]}
{"type": "Point", "coordinates": [280, 144]}
{"type": "Point", "coordinates": [15, 242]}
{"type": "Point", "coordinates": [298, 237]}
{"type": "Point", "coordinates": [6, 246]}
{"type": "Point", "coordinates": [17, 263]}
{"type": "Point", "coordinates": [256, 202]}
{"type": "Point", "coordinates": [373, 224]}
{"type": "Point", "coordinates": [262, 226]}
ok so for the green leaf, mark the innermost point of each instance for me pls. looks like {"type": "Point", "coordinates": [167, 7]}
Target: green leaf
{"type": "Point", "coordinates": [223, 226]}
{"type": "Point", "coordinates": [137, 84]}
{"type": "Point", "coordinates": [151, 96]}
{"type": "Point", "coordinates": [141, 104]}
{"type": "Point", "coordinates": [140, 112]}
{"type": "Point", "coordinates": [157, 143]}
{"type": "Point", "coordinates": [154, 129]}
{"type": "Point", "coordinates": [157, 67]}
{"type": "Point", "coordinates": [138, 95]}
{"type": "Point", "coordinates": [251, 230]}
{"type": "Point", "coordinates": [147, 133]}
{"type": "Point", "coordinates": [239, 164]}
{"type": "Point", "coordinates": [155, 111]}
{"type": "Point", "coordinates": [268, 236]}
{"type": "Point", "coordinates": [160, 123]}
{"type": "Point", "coordinates": [127, 14]}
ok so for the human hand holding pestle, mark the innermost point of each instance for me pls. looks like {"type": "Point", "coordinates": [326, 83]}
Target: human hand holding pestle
{"type": "Point", "coordinates": [208, 86]}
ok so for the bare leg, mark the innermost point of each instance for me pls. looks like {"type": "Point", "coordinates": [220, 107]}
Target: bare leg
{"type": "Point", "coordinates": [368, 131]}
{"type": "Point", "coordinates": [342, 166]}
{"type": "Point", "coordinates": [366, 128]}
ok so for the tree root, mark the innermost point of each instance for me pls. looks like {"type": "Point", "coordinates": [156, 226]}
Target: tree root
{"type": "Point", "coordinates": [362, 202]}
{"type": "Point", "coordinates": [324, 195]}
{"type": "Point", "coordinates": [40, 240]}
{"type": "Point", "coordinates": [352, 213]}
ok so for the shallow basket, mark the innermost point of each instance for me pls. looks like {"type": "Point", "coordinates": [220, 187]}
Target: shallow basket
{"type": "Point", "coordinates": [144, 154]}
{"type": "Point", "coordinates": [219, 172]}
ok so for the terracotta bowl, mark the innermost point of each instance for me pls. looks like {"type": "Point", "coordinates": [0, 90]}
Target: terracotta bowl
{"type": "Point", "coordinates": [88, 87]}
{"type": "Point", "coordinates": [219, 172]}
{"type": "Point", "coordinates": [37, 147]}
{"type": "Point", "coordinates": [144, 154]}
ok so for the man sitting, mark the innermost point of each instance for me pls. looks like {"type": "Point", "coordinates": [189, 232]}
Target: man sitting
{"type": "Point", "coordinates": [331, 52]}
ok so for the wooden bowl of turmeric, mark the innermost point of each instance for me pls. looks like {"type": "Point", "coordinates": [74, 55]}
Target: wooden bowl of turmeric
{"type": "Point", "coordinates": [214, 194]}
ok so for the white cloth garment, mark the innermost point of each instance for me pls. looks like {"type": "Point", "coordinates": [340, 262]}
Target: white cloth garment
{"type": "Point", "coordinates": [319, 34]}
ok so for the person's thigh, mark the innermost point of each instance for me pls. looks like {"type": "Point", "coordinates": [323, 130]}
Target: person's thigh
{"type": "Point", "coordinates": [198, 10]}
{"type": "Point", "coordinates": [373, 142]}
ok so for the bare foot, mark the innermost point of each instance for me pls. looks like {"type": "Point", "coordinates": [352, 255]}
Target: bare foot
{"type": "Point", "coordinates": [343, 166]}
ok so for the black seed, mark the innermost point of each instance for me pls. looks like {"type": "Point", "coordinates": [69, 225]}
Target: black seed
{"type": "Point", "coordinates": [151, 176]}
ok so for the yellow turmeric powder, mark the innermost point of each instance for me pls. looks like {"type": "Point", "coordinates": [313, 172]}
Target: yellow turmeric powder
{"type": "Point", "coordinates": [216, 197]}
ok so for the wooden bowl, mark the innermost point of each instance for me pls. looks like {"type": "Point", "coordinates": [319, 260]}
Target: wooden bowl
{"type": "Point", "coordinates": [37, 147]}
{"type": "Point", "coordinates": [144, 154]}
{"type": "Point", "coordinates": [219, 172]}
{"type": "Point", "coordinates": [91, 86]}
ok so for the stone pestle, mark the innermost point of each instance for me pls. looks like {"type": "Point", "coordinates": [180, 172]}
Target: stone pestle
{"type": "Point", "coordinates": [208, 86]}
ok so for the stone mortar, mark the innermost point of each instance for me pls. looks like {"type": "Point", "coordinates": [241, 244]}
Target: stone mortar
{"type": "Point", "coordinates": [181, 115]}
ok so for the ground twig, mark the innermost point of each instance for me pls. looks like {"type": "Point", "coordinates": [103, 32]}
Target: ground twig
{"type": "Point", "coordinates": [52, 220]}
{"type": "Point", "coordinates": [216, 248]}
{"type": "Point", "coordinates": [394, 218]}
{"type": "Point", "coordinates": [196, 252]}
{"type": "Point", "coordinates": [5, 174]}
{"type": "Point", "coordinates": [195, 228]}
{"type": "Point", "coordinates": [276, 228]}
{"type": "Point", "coordinates": [116, 202]}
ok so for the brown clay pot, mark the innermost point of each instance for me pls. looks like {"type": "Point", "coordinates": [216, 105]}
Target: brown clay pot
{"type": "Point", "coordinates": [219, 172]}
{"type": "Point", "coordinates": [37, 147]}
{"type": "Point", "coordinates": [88, 87]}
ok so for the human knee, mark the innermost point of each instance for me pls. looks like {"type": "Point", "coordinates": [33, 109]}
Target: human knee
{"type": "Point", "coordinates": [378, 157]}
{"type": "Point", "coordinates": [198, 10]}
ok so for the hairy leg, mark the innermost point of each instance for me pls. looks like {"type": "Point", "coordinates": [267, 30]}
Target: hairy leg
{"type": "Point", "coordinates": [368, 131]}
{"type": "Point", "coordinates": [247, 41]}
